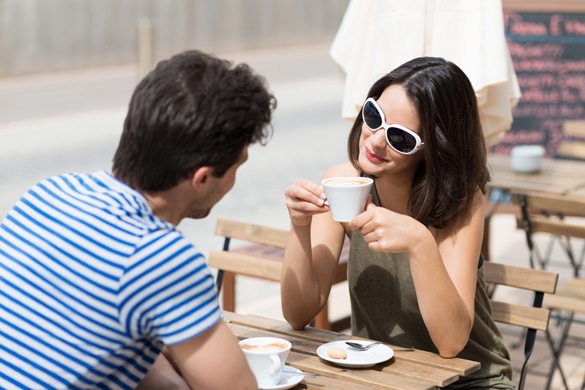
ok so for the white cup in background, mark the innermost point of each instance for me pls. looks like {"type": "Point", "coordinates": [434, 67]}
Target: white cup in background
{"type": "Point", "coordinates": [527, 158]}
{"type": "Point", "coordinates": [266, 357]}
{"type": "Point", "coordinates": [346, 196]}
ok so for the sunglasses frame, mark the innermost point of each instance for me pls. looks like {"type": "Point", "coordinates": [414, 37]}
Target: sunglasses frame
{"type": "Point", "coordinates": [386, 126]}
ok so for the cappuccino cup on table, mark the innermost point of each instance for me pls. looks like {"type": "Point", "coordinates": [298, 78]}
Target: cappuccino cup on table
{"type": "Point", "coordinates": [346, 196]}
{"type": "Point", "coordinates": [266, 357]}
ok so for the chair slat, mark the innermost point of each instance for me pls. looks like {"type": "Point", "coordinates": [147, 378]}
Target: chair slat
{"type": "Point", "coordinates": [575, 149]}
{"type": "Point", "coordinates": [560, 302]}
{"type": "Point", "coordinates": [542, 224]}
{"type": "Point", "coordinates": [574, 128]}
{"type": "Point", "coordinates": [518, 315]}
{"type": "Point", "coordinates": [569, 297]}
{"type": "Point", "coordinates": [553, 203]}
{"type": "Point", "coordinates": [253, 233]}
{"type": "Point", "coordinates": [521, 277]}
{"type": "Point", "coordinates": [245, 265]}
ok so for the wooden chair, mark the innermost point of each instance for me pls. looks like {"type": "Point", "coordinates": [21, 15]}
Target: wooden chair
{"type": "Point", "coordinates": [568, 300]}
{"type": "Point", "coordinates": [546, 213]}
{"type": "Point", "coordinates": [261, 258]}
{"type": "Point", "coordinates": [532, 318]}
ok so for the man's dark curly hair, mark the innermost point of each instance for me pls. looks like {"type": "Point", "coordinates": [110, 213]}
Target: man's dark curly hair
{"type": "Point", "coordinates": [192, 110]}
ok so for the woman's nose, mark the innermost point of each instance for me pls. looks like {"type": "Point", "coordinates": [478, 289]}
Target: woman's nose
{"type": "Point", "coordinates": [380, 137]}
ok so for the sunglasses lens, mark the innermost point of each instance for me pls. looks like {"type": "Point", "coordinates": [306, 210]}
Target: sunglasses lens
{"type": "Point", "coordinates": [371, 116]}
{"type": "Point", "coordinates": [401, 140]}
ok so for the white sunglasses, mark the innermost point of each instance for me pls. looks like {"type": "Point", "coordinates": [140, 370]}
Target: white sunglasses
{"type": "Point", "coordinates": [401, 139]}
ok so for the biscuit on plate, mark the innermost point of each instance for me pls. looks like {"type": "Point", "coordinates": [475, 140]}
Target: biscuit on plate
{"type": "Point", "coordinates": [337, 353]}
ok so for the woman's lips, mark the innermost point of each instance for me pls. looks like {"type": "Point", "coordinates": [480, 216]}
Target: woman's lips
{"type": "Point", "coordinates": [374, 157]}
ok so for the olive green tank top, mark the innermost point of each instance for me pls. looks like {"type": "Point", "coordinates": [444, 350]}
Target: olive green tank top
{"type": "Point", "coordinates": [384, 307]}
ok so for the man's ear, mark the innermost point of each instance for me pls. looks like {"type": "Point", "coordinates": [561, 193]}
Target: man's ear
{"type": "Point", "coordinates": [201, 177]}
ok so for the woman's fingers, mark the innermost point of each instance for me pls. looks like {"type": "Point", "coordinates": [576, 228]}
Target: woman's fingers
{"type": "Point", "coordinates": [305, 197]}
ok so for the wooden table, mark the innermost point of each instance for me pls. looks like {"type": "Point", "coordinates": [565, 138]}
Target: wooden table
{"type": "Point", "coordinates": [414, 370]}
{"type": "Point", "coordinates": [561, 177]}
{"type": "Point", "coordinates": [556, 176]}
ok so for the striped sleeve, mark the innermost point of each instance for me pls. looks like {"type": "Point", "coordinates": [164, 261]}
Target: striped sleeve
{"type": "Point", "coordinates": [167, 291]}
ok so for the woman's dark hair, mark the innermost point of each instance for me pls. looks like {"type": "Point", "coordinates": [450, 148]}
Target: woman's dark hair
{"type": "Point", "coordinates": [454, 166]}
{"type": "Point", "coordinates": [192, 110]}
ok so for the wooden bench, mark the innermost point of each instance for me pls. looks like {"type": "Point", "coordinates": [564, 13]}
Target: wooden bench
{"type": "Point", "coordinates": [261, 258]}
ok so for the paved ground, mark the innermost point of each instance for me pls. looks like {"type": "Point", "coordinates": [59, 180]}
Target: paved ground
{"type": "Point", "coordinates": [55, 123]}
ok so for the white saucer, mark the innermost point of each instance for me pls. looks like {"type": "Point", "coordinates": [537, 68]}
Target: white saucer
{"type": "Point", "coordinates": [356, 358]}
{"type": "Point", "coordinates": [290, 378]}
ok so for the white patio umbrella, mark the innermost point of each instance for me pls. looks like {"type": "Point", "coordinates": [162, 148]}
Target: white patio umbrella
{"type": "Point", "coordinates": [376, 36]}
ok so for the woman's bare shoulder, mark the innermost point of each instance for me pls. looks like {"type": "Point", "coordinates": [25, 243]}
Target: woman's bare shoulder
{"type": "Point", "coordinates": [344, 169]}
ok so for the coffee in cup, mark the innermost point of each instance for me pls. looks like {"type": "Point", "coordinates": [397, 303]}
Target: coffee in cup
{"type": "Point", "coordinates": [346, 196]}
{"type": "Point", "coordinates": [266, 357]}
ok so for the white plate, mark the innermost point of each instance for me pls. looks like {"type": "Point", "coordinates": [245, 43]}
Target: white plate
{"type": "Point", "coordinates": [356, 358]}
{"type": "Point", "coordinates": [290, 378]}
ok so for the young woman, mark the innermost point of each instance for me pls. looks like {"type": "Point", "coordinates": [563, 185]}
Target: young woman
{"type": "Point", "coordinates": [415, 272]}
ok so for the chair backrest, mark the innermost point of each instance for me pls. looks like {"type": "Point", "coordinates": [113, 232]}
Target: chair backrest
{"type": "Point", "coordinates": [261, 257]}
{"type": "Point", "coordinates": [541, 282]}
{"type": "Point", "coordinates": [532, 317]}
{"type": "Point", "coordinates": [254, 260]}
{"type": "Point", "coordinates": [250, 232]}
{"type": "Point", "coordinates": [550, 204]}
{"type": "Point", "coordinates": [546, 213]}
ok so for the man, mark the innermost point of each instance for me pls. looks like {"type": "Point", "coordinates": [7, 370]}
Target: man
{"type": "Point", "coordinates": [95, 278]}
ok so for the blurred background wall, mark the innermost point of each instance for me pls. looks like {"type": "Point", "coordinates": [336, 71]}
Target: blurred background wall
{"type": "Point", "coordinates": [56, 35]}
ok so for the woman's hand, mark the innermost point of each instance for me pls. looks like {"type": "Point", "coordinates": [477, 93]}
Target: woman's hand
{"type": "Point", "coordinates": [303, 200]}
{"type": "Point", "coordinates": [385, 230]}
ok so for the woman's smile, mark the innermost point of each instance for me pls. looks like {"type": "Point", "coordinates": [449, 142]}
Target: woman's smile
{"type": "Point", "coordinates": [374, 158]}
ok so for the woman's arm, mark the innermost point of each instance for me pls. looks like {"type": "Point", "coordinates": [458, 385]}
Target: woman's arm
{"type": "Point", "coordinates": [312, 253]}
{"type": "Point", "coordinates": [310, 263]}
{"type": "Point", "coordinates": [443, 265]}
{"type": "Point", "coordinates": [445, 282]}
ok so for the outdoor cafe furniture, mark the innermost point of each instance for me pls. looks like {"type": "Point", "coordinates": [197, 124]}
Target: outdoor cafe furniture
{"type": "Point", "coordinates": [556, 176]}
{"type": "Point", "coordinates": [261, 257]}
{"type": "Point", "coordinates": [547, 213]}
{"type": "Point", "coordinates": [560, 177]}
{"type": "Point", "coordinates": [407, 369]}
{"type": "Point", "coordinates": [569, 300]}
{"type": "Point", "coordinates": [547, 202]}
{"type": "Point", "coordinates": [530, 317]}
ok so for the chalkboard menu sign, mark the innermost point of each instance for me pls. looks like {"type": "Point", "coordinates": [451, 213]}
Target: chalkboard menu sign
{"type": "Point", "coordinates": [548, 52]}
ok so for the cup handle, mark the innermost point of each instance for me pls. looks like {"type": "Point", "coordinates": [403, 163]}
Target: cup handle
{"type": "Point", "coordinates": [275, 366]}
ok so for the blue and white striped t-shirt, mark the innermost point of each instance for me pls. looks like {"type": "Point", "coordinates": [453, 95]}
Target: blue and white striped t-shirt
{"type": "Point", "coordinates": [92, 285]}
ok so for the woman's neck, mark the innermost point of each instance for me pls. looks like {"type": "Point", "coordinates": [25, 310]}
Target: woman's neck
{"type": "Point", "coordinates": [393, 192]}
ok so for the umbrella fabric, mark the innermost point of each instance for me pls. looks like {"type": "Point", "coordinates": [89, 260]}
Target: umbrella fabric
{"type": "Point", "coordinates": [376, 36]}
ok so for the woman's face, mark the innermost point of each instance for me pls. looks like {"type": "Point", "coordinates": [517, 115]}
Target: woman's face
{"type": "Point", "coordinates": [376, 156]}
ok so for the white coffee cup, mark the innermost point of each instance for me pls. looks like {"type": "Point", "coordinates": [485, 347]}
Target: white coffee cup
{"type": "Point", "coordinates": [527, 158]}
{"type": "Point", "coordinates": [266, 357]}
{"type": "Point", "coordinates": [346, 196]}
